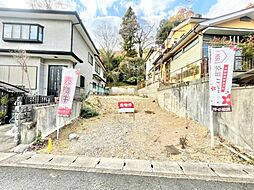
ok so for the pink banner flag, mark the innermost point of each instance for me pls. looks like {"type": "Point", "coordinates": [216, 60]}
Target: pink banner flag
{"type": "Point", "coordinates": [68, 87]}
{"type": "Point", "coordinates": [221, 73]}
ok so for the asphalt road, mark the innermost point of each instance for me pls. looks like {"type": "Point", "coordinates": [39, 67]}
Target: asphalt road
{"type": "Point", "coordinates": [15, 178]}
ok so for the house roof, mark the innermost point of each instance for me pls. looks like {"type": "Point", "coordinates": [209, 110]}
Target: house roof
{"type": "Point", "coordinates": [227, 17]}
{"type": "Point", "coordinates": [4, 86]}
{"type": "Point", "coordinates": [47, 54]}
{"type": "Point", "coordinates": [51, 14]}
{"type": "Point", "coordinates": [206, 24]}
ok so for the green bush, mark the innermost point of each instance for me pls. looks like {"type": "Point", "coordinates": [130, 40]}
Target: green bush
{"type": "Point", "coordinates": [88, 112]}
{"type": "Point", "coordinates": [2, 115]}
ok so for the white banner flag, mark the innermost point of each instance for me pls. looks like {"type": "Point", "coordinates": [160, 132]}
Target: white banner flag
{"type": "Point", "coordinates": [221, 72]}
{"type": "Point", "coordinates": [68, 87]}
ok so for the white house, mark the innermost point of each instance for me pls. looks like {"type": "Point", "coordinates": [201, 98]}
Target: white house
{"type": "Point", "coordinates": [152, 58]}
{"type": "Point", "coordinates": [52, 40]}
{"type": "Point", "coordinates": [99, 77]}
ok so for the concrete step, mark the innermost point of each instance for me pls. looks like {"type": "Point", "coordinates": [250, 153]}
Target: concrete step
{"type": "Point", "coordinates": [5, 128]}
{"type": "Point", "coordinates": [7, 146]}
{"type": "Point", "coordinates": [6, 143]}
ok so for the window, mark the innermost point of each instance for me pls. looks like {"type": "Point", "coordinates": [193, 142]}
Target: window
{"type": "Point", "coordinates": [90, 58]}
{"type": "Point", "coordinates": [97, 68]}
{"type": "Point", "coordinates": [82, 81]}
{"type": "Point", "coordinates": [22, 32]}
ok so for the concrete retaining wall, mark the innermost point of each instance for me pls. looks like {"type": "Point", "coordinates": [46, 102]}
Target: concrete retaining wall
{"type": "Point", "coordinates": [192, 100]}
{"type": "Point", "coordinates": [123, 90]}
{"type": "Point", "coordinates": [48, 122]}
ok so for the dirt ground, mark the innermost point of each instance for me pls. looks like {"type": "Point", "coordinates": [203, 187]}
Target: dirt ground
{"type": "Point", "coordinates": [118, 135]}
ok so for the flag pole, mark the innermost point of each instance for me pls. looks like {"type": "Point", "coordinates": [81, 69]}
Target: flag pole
{"type": "Point", "coordinates": [210, 101]}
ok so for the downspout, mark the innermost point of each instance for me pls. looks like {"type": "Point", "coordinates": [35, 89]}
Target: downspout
{"type": "Point", "coordinates": [71, 48]}
{"type": "Point", "coordinates": [72, 26]}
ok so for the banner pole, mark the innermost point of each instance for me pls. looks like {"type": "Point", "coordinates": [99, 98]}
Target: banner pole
{"type": "Point", "coordinates": [211, 128]}
{"type": "Point", "coordinates": [210, 101]}
{"type": "Point", "coordinates": [57, 127]}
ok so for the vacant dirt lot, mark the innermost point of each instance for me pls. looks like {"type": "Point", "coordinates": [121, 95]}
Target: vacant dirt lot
{"type": "Point", "coordinates": [118, 135]}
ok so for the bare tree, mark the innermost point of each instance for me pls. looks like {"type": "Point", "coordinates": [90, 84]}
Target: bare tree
{"type": "Point", "coordinates": [107, 36]}
{"type": "Point", "coordinates": [144, 38]}
{"type": "Point", "coordinates": [50, 4]}
{"type": "Point", "coordinates": [22, 58]}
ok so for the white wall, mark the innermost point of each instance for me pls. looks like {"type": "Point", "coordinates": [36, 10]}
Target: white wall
{"type": "Point", "coordinates": [56, 35]}
{"type": "Point", "coordinates": [81, 49]}
{"type": "Point", "coordinates": [11, 72]}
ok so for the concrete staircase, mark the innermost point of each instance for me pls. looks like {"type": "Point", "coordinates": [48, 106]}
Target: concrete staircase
{"type": "Point", "coordinates": [6, 138]}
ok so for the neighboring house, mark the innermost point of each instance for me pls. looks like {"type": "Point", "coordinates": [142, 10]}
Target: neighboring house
{"type": "Point", "coordinates": [52, 40]}
{"type": "Point", "coordinates": [153, 65]}
{"type": "Point", "coordinates": [187, 45]}
{"type": "Point", "coordinates": [99, 77]}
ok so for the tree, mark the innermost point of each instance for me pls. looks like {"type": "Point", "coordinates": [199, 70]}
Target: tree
{"type": "Point", "coordinates": [50, 4]}
{"type": "Point", "coordinates": [106, 36]}
{"type": "Point", "coordinates": [144, 38]}
{"type": "Point", "coordinates": [128, 31]}
{"type": "Point", "coordinates": [132, 70]}
{"type": "Point", "coordinates": [22, 58]}
{"type": "Point", "coordinates": [167, 25]}
{"type": "Point", "coordinates": [250, 5]}
{"type": "Point", "coordinates": [163, 31]}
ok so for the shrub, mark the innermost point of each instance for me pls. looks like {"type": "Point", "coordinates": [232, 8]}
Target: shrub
{"type": "Point", "coordinates": [88, 112]}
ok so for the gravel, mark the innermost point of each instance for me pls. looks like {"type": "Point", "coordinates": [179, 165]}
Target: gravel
{"type": "Point", "coordinates": [118, 135]}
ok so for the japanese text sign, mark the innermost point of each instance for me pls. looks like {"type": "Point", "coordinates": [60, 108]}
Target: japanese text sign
{"type": "Point", "coordinates": [125, 107]}
{"type": "Point", "coordinates": [68, 87]}
{"type": "Point", "coordinates": [221, 72]}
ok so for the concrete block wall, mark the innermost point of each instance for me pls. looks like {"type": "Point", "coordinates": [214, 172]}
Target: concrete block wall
{"type": "Point", "coordinates": [192, 100]}
{"type": "Point", "coordinates": [123, 90]}
{"type": "Point", "coordinates": [47, 120]}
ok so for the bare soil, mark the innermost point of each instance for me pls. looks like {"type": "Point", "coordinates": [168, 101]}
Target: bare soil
{"type": "Point", "coordinates": [146, 137]}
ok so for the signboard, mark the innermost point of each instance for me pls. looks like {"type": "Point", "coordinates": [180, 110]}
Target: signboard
{"type": "Point", "coordinates": [125, 107]}
{"type": "Point", "coordinates": [221, 72]}
{"type": "Point", "coordinates": [68, 87]}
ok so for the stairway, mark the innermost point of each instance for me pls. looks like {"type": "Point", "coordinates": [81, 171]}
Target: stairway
{"type": "Point", "coordinates": [6, 138]}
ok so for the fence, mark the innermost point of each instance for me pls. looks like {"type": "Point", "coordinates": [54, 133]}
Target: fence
{"type": "Point", "coordinates": [201, 67]}
{"type": "Point", "coordinates": [100, 91]}
{"type": "Point", "coordinates": [25, 104]}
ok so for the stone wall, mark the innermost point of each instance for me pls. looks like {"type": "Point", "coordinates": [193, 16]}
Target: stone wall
{"type": "Point", "coordinates": [47, 121]}
{"type": "Point", "coordinates": [192, 100]}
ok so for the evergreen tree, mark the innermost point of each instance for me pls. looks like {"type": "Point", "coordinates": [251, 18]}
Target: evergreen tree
{"type": "Point", "coordinates": [128, 31]}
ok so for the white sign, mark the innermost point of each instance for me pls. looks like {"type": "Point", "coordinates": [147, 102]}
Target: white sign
{"type": "Point", "coordinates": [68, 87]}
{"type": "Point", "coordinates": [221, 72]}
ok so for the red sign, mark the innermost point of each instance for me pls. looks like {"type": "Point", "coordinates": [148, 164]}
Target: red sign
{"type": "Point", "coordinates": [125, 107]}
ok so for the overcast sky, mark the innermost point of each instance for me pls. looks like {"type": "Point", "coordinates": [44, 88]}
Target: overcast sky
{"type": "Point", "coordinates": [93, 12]}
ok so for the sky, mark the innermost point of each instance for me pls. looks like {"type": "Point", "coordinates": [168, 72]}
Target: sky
{"type": "Point", "coordinates": [94, 12]}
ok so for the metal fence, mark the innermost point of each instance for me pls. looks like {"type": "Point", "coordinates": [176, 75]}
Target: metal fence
{"type": "Point", "coordinates": [36, 99]}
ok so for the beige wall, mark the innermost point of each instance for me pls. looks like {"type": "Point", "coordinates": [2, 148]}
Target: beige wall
{"type": "Point", "coordinates": [238, 24]}
{"type": "Point", "coordinates": [192, 55]}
